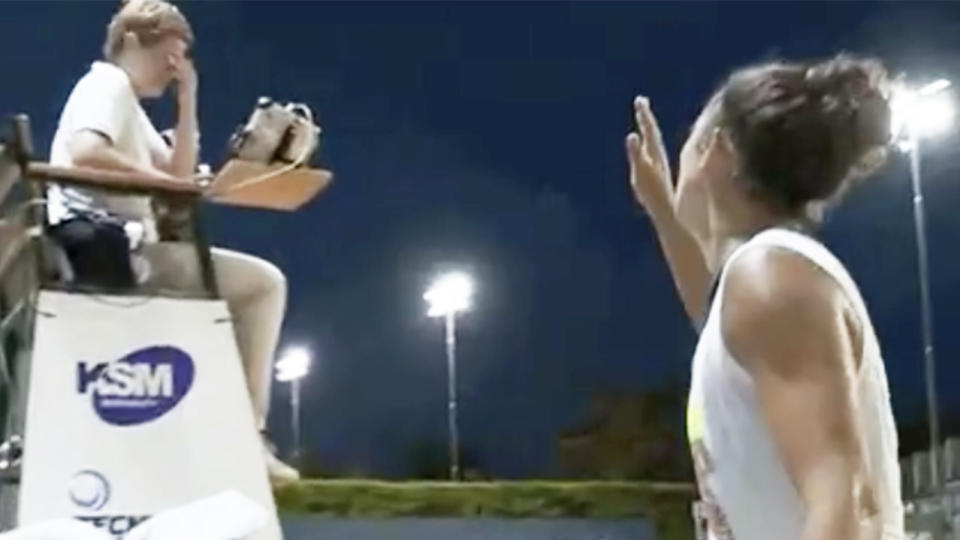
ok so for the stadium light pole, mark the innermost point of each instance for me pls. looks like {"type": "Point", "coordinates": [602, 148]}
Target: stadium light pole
{"type": "Point", "coordinates": [450, 294]}
{"type": "Point", "coordinates": [922, 113]}
{"type": "Point", "coordinates": [293, 365]}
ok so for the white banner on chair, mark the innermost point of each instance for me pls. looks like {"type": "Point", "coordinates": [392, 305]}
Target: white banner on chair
{"type": "Point", "coordinates": [136, 405]}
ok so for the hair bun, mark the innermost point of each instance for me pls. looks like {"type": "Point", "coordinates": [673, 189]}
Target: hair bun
{"type": "Point", "coordinates": [805, 130]}
{"type": "Point", "coordinates": [854, 92]}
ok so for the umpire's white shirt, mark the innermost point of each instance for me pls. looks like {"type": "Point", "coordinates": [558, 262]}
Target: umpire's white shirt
{"type": "Point", "coordinates": [103, 101]}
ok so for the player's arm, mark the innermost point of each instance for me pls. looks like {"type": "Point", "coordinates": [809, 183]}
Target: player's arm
{"type": "Point", "coordinates": [691, 277]}
{"type": "Point", "coordinates": [652, 186]}
{"type": "Point", "coordinates": [789, 325]}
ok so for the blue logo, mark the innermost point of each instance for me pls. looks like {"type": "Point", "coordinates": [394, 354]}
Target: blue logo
{"type": "Point", "coordinates": [140, 387]}
{"type": "Point", "coordinates": [89, 490]}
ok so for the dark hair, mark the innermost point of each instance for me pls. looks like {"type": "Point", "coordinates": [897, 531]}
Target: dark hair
{"type": "Point", "coordinates": [804, 131]}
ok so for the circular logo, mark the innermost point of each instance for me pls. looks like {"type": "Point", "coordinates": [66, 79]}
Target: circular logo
{"type": "Point", "coordinates": [89, 490]}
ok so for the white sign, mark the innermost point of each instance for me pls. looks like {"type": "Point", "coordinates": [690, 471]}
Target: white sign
{"type": "Point", "coordinates": [136, 405]}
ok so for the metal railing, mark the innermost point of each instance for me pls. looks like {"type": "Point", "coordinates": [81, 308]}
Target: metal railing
{"type": "Point", "coordinates": [932, 508]}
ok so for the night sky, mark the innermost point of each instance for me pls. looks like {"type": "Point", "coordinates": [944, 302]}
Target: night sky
{"type": "Point", "coordinates": [488, 136]}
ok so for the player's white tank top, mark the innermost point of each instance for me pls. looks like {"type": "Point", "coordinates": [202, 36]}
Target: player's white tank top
{"type": "Point", "coordinates": [746, 493]}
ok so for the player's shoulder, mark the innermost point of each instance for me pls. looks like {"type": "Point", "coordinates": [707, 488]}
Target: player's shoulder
{"type": "Point", "coordinates": [772, 276]}
{"type": "Point", "coordinates": [779, 294]}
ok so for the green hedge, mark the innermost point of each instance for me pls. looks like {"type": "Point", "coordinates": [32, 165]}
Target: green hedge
{"type": "Point", "coordinates": [667, 505]}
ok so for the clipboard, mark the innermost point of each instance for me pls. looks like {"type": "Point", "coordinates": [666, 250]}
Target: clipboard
{"type": "Point", "coordinates": [273, 187]}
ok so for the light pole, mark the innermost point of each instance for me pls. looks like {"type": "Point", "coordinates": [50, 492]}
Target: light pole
{"type": "Point", "coordinates": [450, 294]}
{"type": "Point", "coordinates": [918, 114]}
{"type": "Point", "coordinates": [293, 365]}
